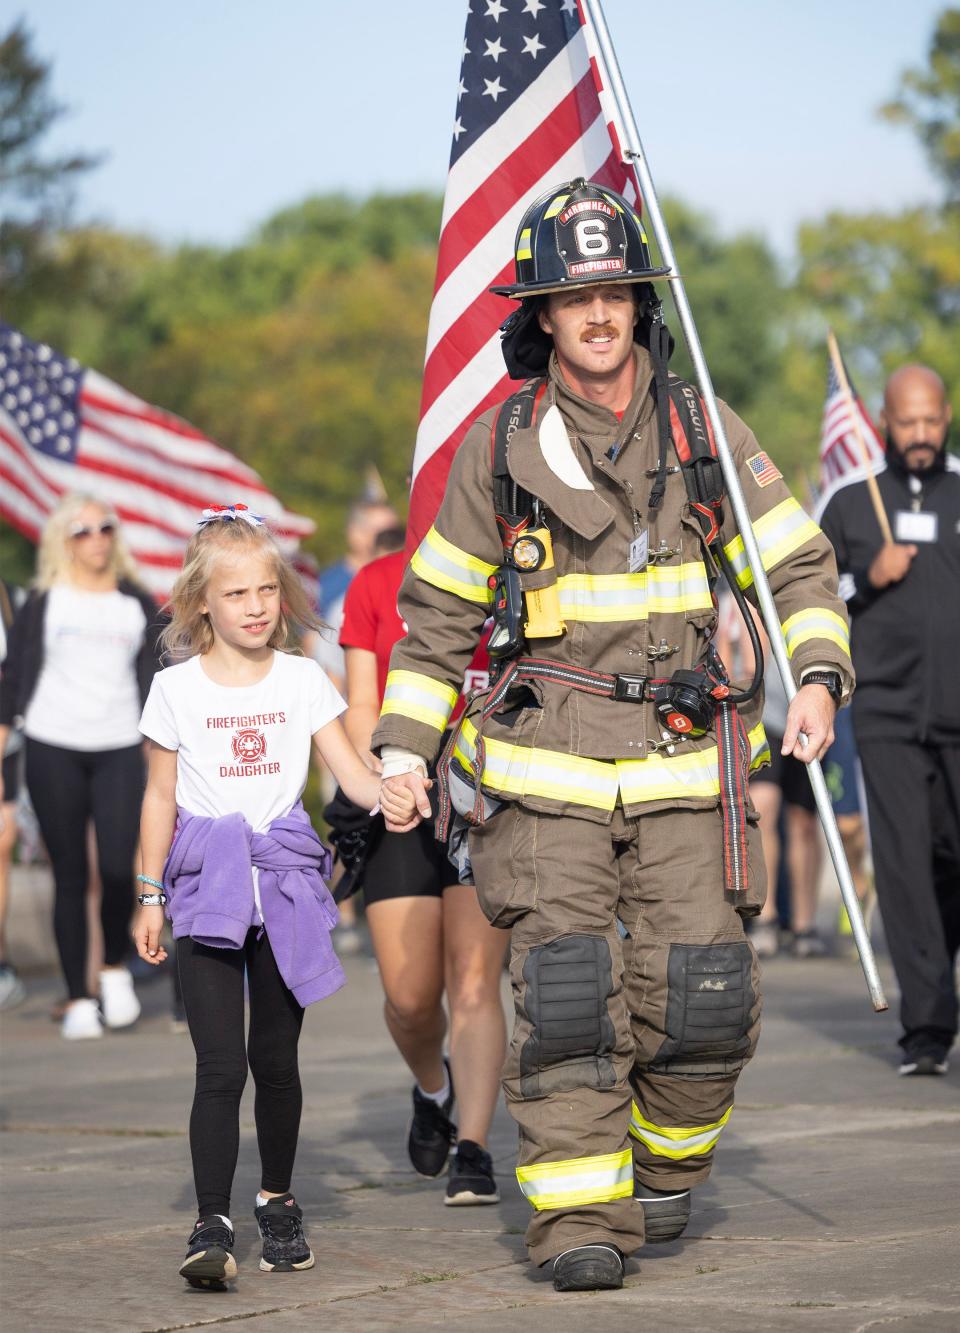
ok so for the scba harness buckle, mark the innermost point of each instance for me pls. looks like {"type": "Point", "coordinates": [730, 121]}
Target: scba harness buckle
{"type": "Point", "coordinates": [631, 689]}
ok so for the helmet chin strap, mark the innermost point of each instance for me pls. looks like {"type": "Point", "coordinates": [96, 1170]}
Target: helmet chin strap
{"type": "Point", "coordinates": [659, 346]}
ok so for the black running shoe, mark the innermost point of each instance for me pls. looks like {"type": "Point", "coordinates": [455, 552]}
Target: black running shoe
{"type": "Point", "coordinates": [210, 1262]}
{"type": "Point", "coordinates": [665, 1212]}
{"type": "Point", "coordinates": [924, 1059]}
{"type": "Point", "coordinates": [285, 1248]}
{"type": "Point", "coordinates": [431, 1132]}
{"type": "Point", "coordinates": [589, 1268]}
{"type": "Point", "coordinates": [471, 1176]}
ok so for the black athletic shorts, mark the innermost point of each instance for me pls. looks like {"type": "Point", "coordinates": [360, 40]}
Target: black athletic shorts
{"type": "Point", "coordinates": [11, 776]}
{"type": "Point", "coordinates": [406, 865]}
{"type": "Point", "coordinates": [789, 775]}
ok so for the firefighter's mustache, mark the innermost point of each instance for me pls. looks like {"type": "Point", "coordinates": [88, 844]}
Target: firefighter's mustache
{"type": "Point", "coordinates": [608, 331]}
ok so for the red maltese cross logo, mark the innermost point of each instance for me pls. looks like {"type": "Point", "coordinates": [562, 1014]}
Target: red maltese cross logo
{"type": "Point", "coordinates": [249, 745]}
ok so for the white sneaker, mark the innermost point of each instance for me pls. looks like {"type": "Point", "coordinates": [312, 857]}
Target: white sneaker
{"type": "Point", "coordinates": [118, 999]}
{"type": "Point", "coordinates": [81, 1021]}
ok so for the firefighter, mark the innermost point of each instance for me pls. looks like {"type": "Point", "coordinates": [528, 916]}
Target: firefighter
{"type": "Point", "coordinates": [609, 826]}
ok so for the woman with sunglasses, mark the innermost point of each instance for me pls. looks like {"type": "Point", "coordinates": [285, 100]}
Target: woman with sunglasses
{"type": "Point", "coordinates": [81, 655]}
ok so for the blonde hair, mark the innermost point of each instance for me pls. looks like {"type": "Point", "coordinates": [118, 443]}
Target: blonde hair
{"type": "Point", "coordinates": [189, 632]}
{"type": "Point", "coordinates": [53, 554]}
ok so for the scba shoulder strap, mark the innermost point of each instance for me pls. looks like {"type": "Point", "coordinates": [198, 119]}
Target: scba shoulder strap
{"type": "Point", "coordinates": [696, 451]}
{"type": "Point", "coordinates": [693, 443]}
{"type": "Point", "coordinates": [512, 504]}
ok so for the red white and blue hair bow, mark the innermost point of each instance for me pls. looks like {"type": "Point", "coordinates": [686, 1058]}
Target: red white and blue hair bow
{"type": "Point", "coordinates": [216, 513]}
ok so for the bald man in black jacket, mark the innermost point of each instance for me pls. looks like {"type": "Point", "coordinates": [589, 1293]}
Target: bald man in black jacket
{"type": "Point", "coordinates": [904, 603]}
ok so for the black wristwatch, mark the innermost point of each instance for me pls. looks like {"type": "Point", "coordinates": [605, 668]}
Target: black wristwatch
{"type": "Point", "coordinates": [831, 679]}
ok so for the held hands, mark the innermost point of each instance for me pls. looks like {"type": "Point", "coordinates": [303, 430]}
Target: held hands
{"type": "Point", "coordinates": [404, 801]}
{"type": "Point", "coordinates": [146, 935]}
{"type": "Point", "coordinates": [811, 712]}
{"type": "Point", "coordinates": [891, 564]}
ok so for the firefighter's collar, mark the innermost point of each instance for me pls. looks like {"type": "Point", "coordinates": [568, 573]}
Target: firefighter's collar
{"type": "Point", "coordinates": [542, 459]}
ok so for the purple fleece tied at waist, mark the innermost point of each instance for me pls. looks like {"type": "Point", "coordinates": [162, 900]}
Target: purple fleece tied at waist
{"type": "Point", "coordinates": [209, 879]}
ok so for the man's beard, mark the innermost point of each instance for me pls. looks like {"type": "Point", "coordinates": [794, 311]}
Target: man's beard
{"type": "Point", "coordinates": [901, 460]}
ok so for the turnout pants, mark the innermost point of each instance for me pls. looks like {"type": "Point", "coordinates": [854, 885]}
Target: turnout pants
{"type": "Point", "coordinates": [626, 1049]}
{"type": "Point", "coordinates": [913, 801]}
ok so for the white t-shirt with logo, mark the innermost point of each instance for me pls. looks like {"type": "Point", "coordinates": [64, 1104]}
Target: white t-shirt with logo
{"type": "Point", "coordinates": [87, 696]}
{"type": "Point", "coordinates": [241, 748]}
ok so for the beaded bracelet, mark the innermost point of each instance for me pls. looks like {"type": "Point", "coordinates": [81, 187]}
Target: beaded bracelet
{"type": "Point", "coordinates": [158, 899]}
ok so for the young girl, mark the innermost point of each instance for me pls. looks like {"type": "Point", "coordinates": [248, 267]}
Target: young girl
{"type": "Point", "coordinates": [229, 729]}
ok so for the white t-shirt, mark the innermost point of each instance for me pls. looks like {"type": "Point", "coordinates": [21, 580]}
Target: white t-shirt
{"type": "Point", "coordinates": [240, 748]}
{"type": "Point", "coordinates": [87, 696]}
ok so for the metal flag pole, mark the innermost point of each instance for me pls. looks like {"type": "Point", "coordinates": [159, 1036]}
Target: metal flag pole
{"type": "Point", "coordinates": [633, 152]}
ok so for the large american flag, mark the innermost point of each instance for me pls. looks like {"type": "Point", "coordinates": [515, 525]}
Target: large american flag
{"type": "Point", "coordinates": [532, 112]}
{"type": "Point", "coordinates": [65, 428]}
{"type": "Point", "coordinates": [840, 451]}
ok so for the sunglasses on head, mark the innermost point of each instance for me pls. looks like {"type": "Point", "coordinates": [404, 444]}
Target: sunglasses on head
{"type": "Point", "coordinates": [80, 530]}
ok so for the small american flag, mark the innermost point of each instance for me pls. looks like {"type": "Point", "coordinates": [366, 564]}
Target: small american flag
{"type": "Point", "coordinates": [763, 468]}
{"type": "Point", "coordinates": [65, 428]}
{"type": "Point", "coordinates": [532, 112]}
{"type": "Point", "coordinates": [840, 451]}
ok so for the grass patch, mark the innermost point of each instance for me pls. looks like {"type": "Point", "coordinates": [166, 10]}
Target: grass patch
{"type": "Point", "coordinates": [415, 1279]}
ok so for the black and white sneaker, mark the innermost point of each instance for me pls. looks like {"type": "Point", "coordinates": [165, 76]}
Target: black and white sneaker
{"type": "Point", "coordinates": [285, 1248]}
{"type": "Point", "coordinates": [589, 1268]}
{"type": "Point", "coordinates": [210, 1263]}
{"type": "Point", "coordinates": [924, 1059]}
{"type": "Point", "coordinates": [431, 1132]}
{"type": "Point", "coordinates": [471, 1176]}
{"type": "Point", "coordinates": [665, 1212]}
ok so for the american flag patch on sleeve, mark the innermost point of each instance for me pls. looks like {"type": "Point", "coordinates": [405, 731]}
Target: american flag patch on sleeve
{"type": "Point", "coordinates": [763, 468]}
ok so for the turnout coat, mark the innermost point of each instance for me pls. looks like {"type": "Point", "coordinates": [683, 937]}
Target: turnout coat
{"type": "Point", "coordinates": [558, 750]}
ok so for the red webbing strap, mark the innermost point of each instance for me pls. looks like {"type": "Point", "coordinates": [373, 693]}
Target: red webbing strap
{"type": "Point", "coordinates": [733, 745]}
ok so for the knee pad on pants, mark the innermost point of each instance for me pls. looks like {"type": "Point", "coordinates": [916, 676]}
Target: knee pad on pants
{"type": "Point", "coordinates": [568, 984]}
{"type": "Point", "coordinates": [710, 1021]}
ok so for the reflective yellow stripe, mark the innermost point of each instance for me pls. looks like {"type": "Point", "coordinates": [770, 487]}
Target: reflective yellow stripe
{"type": "Point", "coordinates": [556, 206]}
{"type": "Point", "coordinates": [675, 777]}
{"type": "Point", "coordinates": [446, 566]}
{"type": "Point", "coordinates": [676, 1143]}
{"type": "Point", "coordinates": [679, 588]}
{"type": "Point", "coordinates": [523, 245]}
{"type": "Point", "coordinates": [816, 624]}
{"type": "Point", "coordinates": [578, 1181]}
{"type": "Point", "coordinates": [598, 598]}
{"type": "Point", "coordinates": [781, 532]}
{"type": "Point", "coordinates": [518, 770]}
{"type": "Point", "coordinates": [419, 697]}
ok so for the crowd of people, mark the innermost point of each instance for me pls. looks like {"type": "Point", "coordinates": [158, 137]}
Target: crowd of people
{"type": "Point", "coordinates": [604, 830]}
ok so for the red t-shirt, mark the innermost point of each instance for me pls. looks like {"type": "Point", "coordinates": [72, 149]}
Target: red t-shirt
{"type": "Point", "coordinates": [371, 621]}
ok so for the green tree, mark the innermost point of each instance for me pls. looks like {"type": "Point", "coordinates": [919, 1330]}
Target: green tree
{"type": "Point", "coordinates": [929, 102]}
{"type": "Point", "coordinates": [36, 189]}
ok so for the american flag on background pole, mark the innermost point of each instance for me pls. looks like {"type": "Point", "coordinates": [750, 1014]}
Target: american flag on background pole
{"type": "Point", "coordinates": [840, 450]}
{"type": "Point", "coordinates": [64, 428]}
{"type": "Point", "coordinates": [532, 112]}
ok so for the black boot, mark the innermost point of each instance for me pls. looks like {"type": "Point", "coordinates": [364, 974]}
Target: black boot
{"type": "Point", "coordinates": [665, 1212]}
{"type": "Point", "coordinates": [589, 1268]}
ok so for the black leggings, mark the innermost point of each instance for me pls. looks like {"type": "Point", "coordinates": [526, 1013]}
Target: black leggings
{"type": "Point", "coordinates": [212, 983]}
{"type": "Point", "coordinates": [68, 788]}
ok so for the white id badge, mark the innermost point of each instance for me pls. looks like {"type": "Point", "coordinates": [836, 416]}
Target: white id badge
{"type": "Point", "coordinates": [639, 552]}
{"type": "Point", "coordinates": [910, 527]}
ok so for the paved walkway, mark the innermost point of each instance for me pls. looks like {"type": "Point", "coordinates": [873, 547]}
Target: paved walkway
{"type": "Point", "coordinates": [835, 1204]}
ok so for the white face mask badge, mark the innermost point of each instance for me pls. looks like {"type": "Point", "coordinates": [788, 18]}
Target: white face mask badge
{"type": "Point", "coordinates": [558, 452]}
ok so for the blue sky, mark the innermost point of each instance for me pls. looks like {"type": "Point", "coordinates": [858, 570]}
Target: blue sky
{"type": "Point", "coordinates": [215, 113]}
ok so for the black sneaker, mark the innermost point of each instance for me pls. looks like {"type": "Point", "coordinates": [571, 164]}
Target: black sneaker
{"type": "Point", "coordinates": [471, 1176]}
{"type": "Point", "coordinates": [928, 1059]}
{"type": "Point", "coordinates": [210, 1262]}
{"type": "Point", "coordinates": [285, 1248]}
{"type": "Point", "coordinates": [589, 1268]}
{"type": "Point", "coordinates": [665, 1212]}
{"type": "Point", "coordinates": [431, 1132]}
